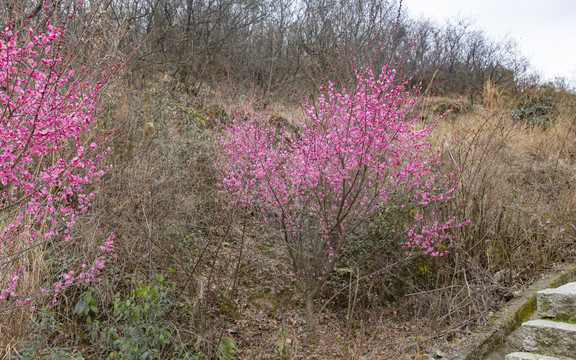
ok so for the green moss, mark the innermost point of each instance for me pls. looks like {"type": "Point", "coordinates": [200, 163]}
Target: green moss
{"type": "Point", "coordinates": [565, 319]}
{"type": "Point", "coordinates": [227, 307]}
{"type": "Point", "coordinates": [526, 310]}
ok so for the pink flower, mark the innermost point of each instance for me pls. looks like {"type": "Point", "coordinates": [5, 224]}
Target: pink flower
{"type": "Point", "coordinates": [44, 105]}
{"type": "Point", "coordinates": [355, 150]}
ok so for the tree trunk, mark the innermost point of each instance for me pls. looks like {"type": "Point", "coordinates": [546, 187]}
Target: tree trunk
{"type": "Point", "coordinates": [310, 314]}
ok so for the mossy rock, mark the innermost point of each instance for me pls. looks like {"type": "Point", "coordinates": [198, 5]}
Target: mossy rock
{"type": "Point", "coordinates": [456, 108]}
{"type": "Point", "coordinates": [270, 288]}
{"type": "Point", "coordinates": [226, 306]}
{"type": "Point", "coordinates": [272, 299]}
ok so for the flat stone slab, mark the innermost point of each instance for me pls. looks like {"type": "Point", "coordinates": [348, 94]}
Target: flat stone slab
{"type": "Point", "coordinates": [531, 356]}
{"type": "Point", "coordinates": [560, 301]}
{"type": "Point", "coordinates": [549, 337]}
{"type": "Point", "coordinates": [487, 344]}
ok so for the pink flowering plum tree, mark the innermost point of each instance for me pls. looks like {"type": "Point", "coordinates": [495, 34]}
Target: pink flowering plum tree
{"type": "Point", "coordinates": [355, 149]}
{"type": "Point", "coordinates": [49, 159]}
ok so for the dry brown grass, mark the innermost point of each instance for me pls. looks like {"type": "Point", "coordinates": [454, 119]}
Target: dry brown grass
{"type": "Point", "coordinates": [161, 202]}
{"type": "Point", "coordinates": [517, 190]}
{"type": "Point", "coordinates": [13, 329]}
{"type": "Point", "coordinates": [13, 323]}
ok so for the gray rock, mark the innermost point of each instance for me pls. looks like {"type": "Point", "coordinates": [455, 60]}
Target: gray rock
{"type": "Point", "coordinates": [560, 301]}
{"type": "Point", "coordinates": [529, 356]}
{"type": "Point", "coordinates": [549, 337]}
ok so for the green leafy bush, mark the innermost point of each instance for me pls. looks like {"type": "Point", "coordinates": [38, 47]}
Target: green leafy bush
{"type": "Point", "coordinates": [537, 109]}
{"type": "Point", "coordinates": [86, 306]}
{"type": "Point", "coordinates": [226, 348]}
{"type": "Point", "coordinates": [138, 333]}
{"type": "Point", "coordinates": [139, 329]}
{"type": "Point", "coordinates": [40, 345]}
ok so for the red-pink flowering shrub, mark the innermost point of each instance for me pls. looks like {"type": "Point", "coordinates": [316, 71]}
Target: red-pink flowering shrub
{"type": "Point", "coordinates": [48, 159]}
{"type": "Point", "coordinates": [353, 152]}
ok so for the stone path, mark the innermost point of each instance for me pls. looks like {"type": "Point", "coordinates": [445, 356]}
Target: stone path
{"type": "Point", "coordinates": [553, 336]}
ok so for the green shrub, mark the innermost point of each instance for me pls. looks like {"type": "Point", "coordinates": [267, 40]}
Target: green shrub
{"type": "Point", "coordinates": [40, 345]}
{"type": "Point", "coordinates": [86, 307]}
{"type": "Point", "coordinates": [537, 109]}
{"type": "Point", "coordinates": [226, 348]}
{"type": "Point", "coordinates": [137, 333]}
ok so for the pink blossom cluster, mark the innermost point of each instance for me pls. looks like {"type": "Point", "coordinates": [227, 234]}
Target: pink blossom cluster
{"type": "Point", "coordinates": [355, 151]}
{"type": "Point", "coordinates": [47, 163]}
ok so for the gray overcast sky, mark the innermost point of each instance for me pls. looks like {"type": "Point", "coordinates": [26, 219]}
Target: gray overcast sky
{"type": "Point", "coordinates": [544, 29]}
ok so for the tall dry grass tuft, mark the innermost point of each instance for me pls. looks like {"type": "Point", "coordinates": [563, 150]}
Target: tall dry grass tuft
{"type": "Point", "coordinates": [13, 324]}
{"type": "Point", "coordinates": [494, 96]}
{"type": "Point", "coordinates": [517, 190]}
{"type": "Point", "coordinates": [13, 329]}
